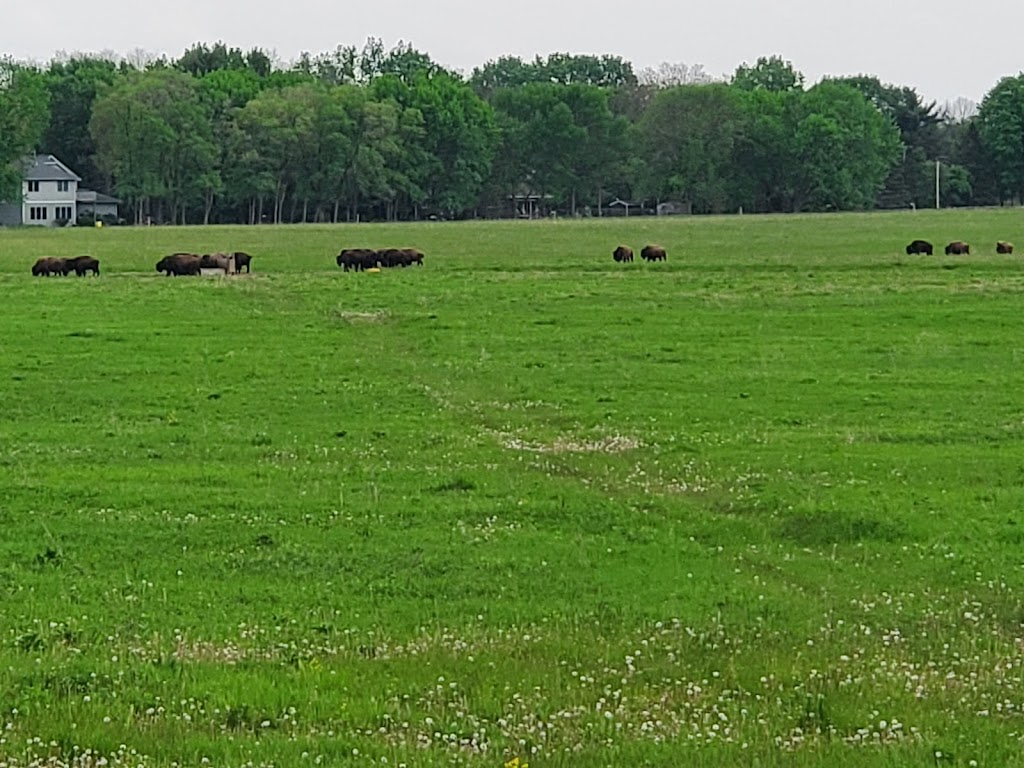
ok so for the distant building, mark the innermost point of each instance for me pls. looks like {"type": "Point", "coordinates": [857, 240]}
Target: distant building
{"type": "Point", "coordinates": [50, 196]}
{"type": "Point", "coordinates": [675, 208]}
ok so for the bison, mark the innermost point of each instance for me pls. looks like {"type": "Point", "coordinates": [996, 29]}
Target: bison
{"type": "Point", "coordinates": [82, 264]}
{"type": "Point", "coordinates": [623, 253]}
{"type": "Point", "coordinates": [392, 257]}
{"type": "Point", "coordinates": [413, 256]}
{"type": "Point", "coordinates": [48, 265]}
{"type": "Point", "coordinates": [1004, 247]}
{"type": "Point", "coordinates": [653, 253]}
{"type": "Point", "coordinates": [179, 264]}
{"type": "Point", "coordinates": [357, 259]}
{"type": "Point", "coordinates": [958, 248]}
{"type": "Point", "coordinates": [919, 247]}
{"type": "Point", "coordinates": [242, 259]}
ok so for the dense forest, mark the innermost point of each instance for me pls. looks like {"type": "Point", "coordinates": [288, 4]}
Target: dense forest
{"type": "Point", "coordinates": [220, 135]}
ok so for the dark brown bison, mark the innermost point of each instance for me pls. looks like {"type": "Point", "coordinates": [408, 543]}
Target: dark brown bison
{"type": "Point", "coordinates": [1004, 247]}
{"type": "Point", "coordinates": [357, 259]}
{"type": "Point", "coordinates": [242, 259]}
{"type": "Point", "coordinates": [392, 257]}
{"type": "Point", "coordinates": [179, 264]}
{"type": "Point", "coordinates": [623, 253]}
{"type": "Point", "coordinates": [48, 265]}
{"type": "Point", "coordinates": [413, 256]}
{"type": "Point", "coordinates": [958, 248]}
{"type": "Point", "coordinates": [653, 253]}
{"type": "Point", "coordinates": [919, 247]}
{"type": "Point", "coordinates": [81, 264]}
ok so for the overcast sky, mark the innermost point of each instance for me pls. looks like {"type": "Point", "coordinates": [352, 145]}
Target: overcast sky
{"type": "Point", "coordinates": [943, 48]}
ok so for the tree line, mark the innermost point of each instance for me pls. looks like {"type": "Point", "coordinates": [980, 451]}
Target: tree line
{"type": "Point", "coordinates": [220, 135]}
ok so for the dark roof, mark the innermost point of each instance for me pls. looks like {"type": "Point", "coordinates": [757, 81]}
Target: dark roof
{"type": "Point", "coordinates": [49, 168]}
{"type": "Point", "coordinates": [91, 196]}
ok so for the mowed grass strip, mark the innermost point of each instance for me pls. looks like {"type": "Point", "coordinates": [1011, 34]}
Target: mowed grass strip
{"type": "Point", "coordinates": [758, 504]}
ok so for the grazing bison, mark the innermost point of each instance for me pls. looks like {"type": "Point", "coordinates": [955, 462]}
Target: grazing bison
{"type": "Point", "coordinates": [413, 256]}
{"type": "Point", "coordinates": [82, 264]}
{"type": "Point", "coordinates": [48, 265]}
{"type": "Point", "coordinates": [242, 259]}
{"type": "Point", "coordinates": [179, 264]}
{"type": "Point", "coordinates": [958, 248]}
{"type": "Point", "coordinates": [623, 253]}
{"type": "Point", "coordinates": [918, 247]}
{"type": "Point", "coordinates": [392, 257]}
{"type": "Point", "coordinates": [1004, 247]}
{"type": "Point", "coordinates": [357, 259]}
{"type": "Point", "coordinates": [653, 253]}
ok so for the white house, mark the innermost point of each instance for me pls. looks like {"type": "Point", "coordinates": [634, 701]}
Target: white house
{"type": "Point", "coordinates": [50, 196]}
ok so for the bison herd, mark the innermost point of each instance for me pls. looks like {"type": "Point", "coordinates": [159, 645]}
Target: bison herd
{"type": "Point", "coordinates": [955, 248]}
{"type": "Point", "coordinates": [175, 264]}
{"type": "Point", "coordinates": [194, 264]}
{"type": "Point", "coordinates": [53, 265]}
{"type": "Point", "coordinates": [624, 253]}
{"type": "Point", "coordinates": [360, 259]}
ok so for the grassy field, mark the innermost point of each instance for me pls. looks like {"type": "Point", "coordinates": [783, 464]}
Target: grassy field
{"type": "Point", "coordinates": [758, 505]}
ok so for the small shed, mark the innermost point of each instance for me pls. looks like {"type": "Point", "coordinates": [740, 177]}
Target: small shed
{"type": "Point", "coordinates": [675, 208]}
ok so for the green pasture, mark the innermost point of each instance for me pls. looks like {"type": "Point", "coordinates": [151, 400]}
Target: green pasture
{"type": "Point", "coordinates": [758, 505]}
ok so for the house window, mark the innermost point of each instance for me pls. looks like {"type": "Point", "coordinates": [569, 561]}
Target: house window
{"type": "Point", "coordinates": [33, 186]}
{"type": "Point", "coordinates": [37, 213]}
{"type": "Point", "coordinates": [62, 212]}
{"type": "Point", "coordinates": [63, 186]}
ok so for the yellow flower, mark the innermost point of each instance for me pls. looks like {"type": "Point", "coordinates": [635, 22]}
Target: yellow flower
{"type": "Point", "coordinates": [516, 763]}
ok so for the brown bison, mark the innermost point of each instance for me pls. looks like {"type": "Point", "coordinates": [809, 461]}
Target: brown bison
{"type": "Point", "coordinates": [653, 253]}
{"type": "Point", "coordinates": [392, 257]}
{"type": "Point", "coordinates": [82, 264]}
{"type": "Point", "coordinates": [179, 264]}
{"type": "Point", "coordinates": [1004, 247]}
{"type": "Point", "coordinates": [48, 265]}
{"type": "Point", "coordinates": [623, 253]}
{"type": "Point", "coordinates": [919, 247]}
{"type": "Point", "coordinates": [958, 248]}
{"type": "Point", "coordinates": [242, 259]}
{"type": "Point", "coordinates": [357, 259]}
{"type": "Point", "coordinates": [413, 256]}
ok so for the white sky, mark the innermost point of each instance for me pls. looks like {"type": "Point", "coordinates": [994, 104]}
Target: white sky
{"type": "Point", "coordinates": [942, 48]}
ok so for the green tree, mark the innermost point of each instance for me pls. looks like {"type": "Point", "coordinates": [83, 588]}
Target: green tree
{"type": "Point", "coordinates": [153, 136]}
{"type": "Point", "coordinates": [73, 86]}
{"type": "Point", "coordinates": [1001, 130]}
{"type": "Point", "coordinates": [223, 92]}
{"type": "Point", "coordinates": [771, 73]}
{"type": "Point", "coordinates": [688, 140]}
{"type": "Point", "coordinates": [539, 140]}
{"type": "Point", "coordinates": [278, 131]}
{"type": "Point", "coordinates": [458, 141]}
{"type": "Point", "coordinates": [844, 148]}
{"type": "Point", "coordinates": [910, 180]}
{"type": "Point", "coordinates": [23, 116]}
{"type": "Point", "coordinates": [561, 68]}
